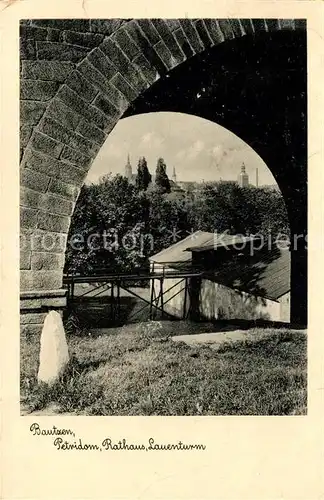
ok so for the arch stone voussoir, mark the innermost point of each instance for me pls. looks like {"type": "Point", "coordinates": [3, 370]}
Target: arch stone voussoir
{"type": "Point", "coordinates": [78, 77]}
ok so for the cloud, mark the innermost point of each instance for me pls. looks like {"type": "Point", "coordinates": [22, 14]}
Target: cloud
{"type": "Point", "coordinates": [195, 149]}
{"type": "Point", "coordinates": [181, 154]}
{"type": "Point", "coordinates": [114, 150]}
{"type": "Point", "coordinates": [152, 139]}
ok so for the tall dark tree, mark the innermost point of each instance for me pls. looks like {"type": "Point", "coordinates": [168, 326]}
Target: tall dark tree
{"type": "Point", "coordinates": [161, 178]}
{"type": "Point", "coordinates": [144, 177]}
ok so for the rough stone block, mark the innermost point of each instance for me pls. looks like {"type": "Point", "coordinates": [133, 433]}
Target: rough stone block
{"type": "Point", "coordinates": [46, 241]}
{"type": "Point", "coordinates": [55, 130]}
{"type": "Point", "coordinates": [63, 24]}
{"type": "Point", "coordinates": [53, 168]}
{"type": "Point", "coordinates": [31, 111]}
{"type": "Point", "coordinates": [25, 236]}
{"type": "Point", "coordinates": [56, 204]}
{"type": "Point", "coordinates": [32, 318]}
{"type": "Point", "coordinates": [27, 49]}
{"type": "Point", "coordinates": [99, 61]}
{"type": "Point", "coordinates": [237, 27]}
{"type": "Point", "coordinates": [33, 180]}
{"type": "Point", "coordinates": [121, 84]}
{"type": "Point", "coordinates": [165, 55]}
{"type": "Point", "coordinates": [126, 44]}
{"type": "Point", "coordinates": [30, 198]}
{"type": "Point", "coordinates": [25, 133]}
{"type": "Point", "coordinates": [203, 33]}
{"type": "Point", "coordinates": [63, 114]}
{"type": "Point", "coordinates": [41, 142]}
{"type": "Point", "coordinates": [95, 77]}
{"type": "Point", "coordinates": [173, 24]}
{"type": "Point", "coordinates": [71, 99]}
{"type": "Point", "coordinates": [53, 222]}
{"type": "Point", "coordinates": [36, 90]}
{"type": "Point", "coordinates": [31, 332]}
{"type": "Point", "coordinates": [117, 98]}
{"type": "Point", "coordinates": [149, 31]}
{"type": "Point", "coordinates": [33, 301]}
{"type": "Point", "coordinates": [33, 32]}
{"type": "Point", "coordinates": [184, 43]}
{"type": "Point", "coordinates": [28, 217]}
{"type": "Point", "coordinates": [273, 24]}
{"type": "Point", "coordinates": [54, 35]}
{"type": "Point", "coordinates": [60, 51]}
{"type": "Point", "coordinates": [141, 41]}
{"type": "Point", "coordinates": [259, 25]}
{"type": "Point", "coordinates": [47, 70]}
{"type": "Point", "coordinates": [72, 156]}
{"type": "Point", "coordinates": [285, 24]}
{"type": "Point", "coordinates": [169, 40]}
{"type": "Point", "coordinates": [25, 260]}
{"type": "Point", "coordinates": [105, 26]}
{"type": "Point", "coordinates": [105, 106]}
{"type": "Point", "coordinates": [226, 28]}
{"type": "Point", "coordinates": [40, 280]}
{"type": "Point", "coordinates": [49, 202]}
{"type": "Point", "coordinates": [123, 64]}
{"type": "Point", "coordinates": [192, 35]}
{"type": "Point", "coordinates": [63, 189]}
{"type": "Point", "coordinates": [300, 24]}
{"type": "Point", "coordinates": [46, 260]}
{"type": "Point", "coordinates": [149, 72]}
{"type": "Point", "coordinates": [89, 40]}
{"type": "Point", "coordinates": [214, 31]}
{"type": "Point", "coordinates": [82, 86]}
{"type": "Point", "coordinates": [248, 26]}
{"type": "Point", "coordinates": [91, 132]}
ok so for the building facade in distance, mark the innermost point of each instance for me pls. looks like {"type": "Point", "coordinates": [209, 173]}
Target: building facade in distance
{"type": "Point", "coordinates": [243, 178]}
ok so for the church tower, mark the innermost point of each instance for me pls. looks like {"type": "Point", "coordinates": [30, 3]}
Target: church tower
{"type": "Point", "coordinates": [243, 178]}
{"type": "Point", "coordinates": [174, 175]}
{"type": "Point", "coordinates": [128, 169]}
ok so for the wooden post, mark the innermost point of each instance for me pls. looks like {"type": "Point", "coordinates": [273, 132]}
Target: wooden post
{"type": "Point", "coordinates": [72, 290]}
{"type": "Point", "coordinates": [151, 299]}
{"type": "Point", "coordinates": [112, 300]}
{"type": "Point", "coordinates": [185, 299]}
{"type": "Point", "coordinates": [118, 299]}
{"type": "Point", "coordinates": [161, 293]}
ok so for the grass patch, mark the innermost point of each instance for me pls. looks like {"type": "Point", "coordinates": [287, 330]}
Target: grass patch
{"type": "Point", "coordinates": [138, 370]}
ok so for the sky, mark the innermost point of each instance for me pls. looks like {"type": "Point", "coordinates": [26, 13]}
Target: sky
{"type": "Point", "coordinates": [199, 150]}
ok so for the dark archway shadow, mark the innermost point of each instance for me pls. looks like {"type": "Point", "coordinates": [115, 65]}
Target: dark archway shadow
{"type": "Point", "coordinates": [267, 109]}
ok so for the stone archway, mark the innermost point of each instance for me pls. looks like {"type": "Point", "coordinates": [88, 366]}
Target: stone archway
{"type": "Point", "coordinates": [78, 78]}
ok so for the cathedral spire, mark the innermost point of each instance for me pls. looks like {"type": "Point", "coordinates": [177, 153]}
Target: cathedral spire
{"type": "Point", "coordinates": [128, 169]}
{"type": "Point", "coordinates": [174, 175]}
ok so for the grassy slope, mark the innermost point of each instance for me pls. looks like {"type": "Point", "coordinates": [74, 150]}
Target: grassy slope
{"type": "Point", "coordinates": [138, 370]}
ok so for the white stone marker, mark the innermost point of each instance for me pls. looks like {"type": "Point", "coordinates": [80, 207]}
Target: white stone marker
{"type": "Point", "coordinates": [54, 354]}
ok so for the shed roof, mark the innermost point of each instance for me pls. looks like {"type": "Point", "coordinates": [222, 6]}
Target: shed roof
{"type": "Point", "coordinates": [178, 252]}
{"type": "Point", "coordinates": [267, 273]}
{"type": "Point", "coordinates": [198, 241]}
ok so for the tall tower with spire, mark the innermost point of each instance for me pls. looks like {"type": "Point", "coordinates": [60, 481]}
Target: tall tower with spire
{"type": "Point", "coordinates": [174, 175]}
{"type": "Point", "coordinates": [128, 169]}
{"type": "Point", "coordinates": [243, 178]}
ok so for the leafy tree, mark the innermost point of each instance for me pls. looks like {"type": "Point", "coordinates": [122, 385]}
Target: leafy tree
{"type": "Point", "coordinates": [109, 216]}
{"type": "Point", "coordinates": [144, 177]}
{"type": "Point", "coordinates": [161, 177]}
